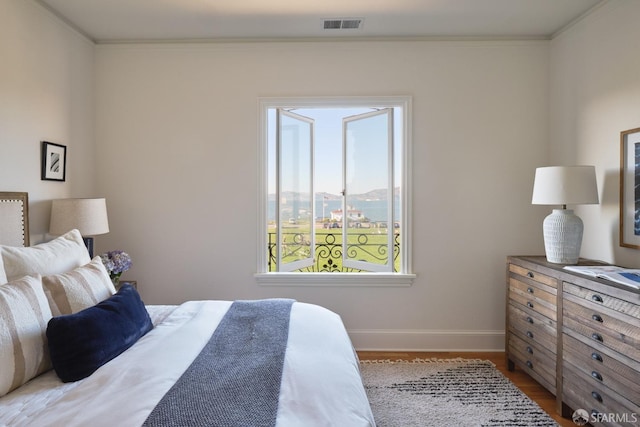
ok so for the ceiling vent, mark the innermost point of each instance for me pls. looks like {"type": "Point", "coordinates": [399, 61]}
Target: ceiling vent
{"type": "Point", "coordinates": [343, 24]}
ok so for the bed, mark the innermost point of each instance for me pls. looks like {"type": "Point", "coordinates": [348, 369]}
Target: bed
{"type": "Point", "coordinates": [57, 305]}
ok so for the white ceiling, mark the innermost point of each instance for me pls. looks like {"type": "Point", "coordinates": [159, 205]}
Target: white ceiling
{"type": "Point", "coordinates": [147, 20]}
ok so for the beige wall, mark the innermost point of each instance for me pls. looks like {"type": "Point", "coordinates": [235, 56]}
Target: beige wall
{"type": "Point", "coordinates": [177, 149]}
{"type": "Point", "coordinates": [595, 94]}
{"type": "Point", "coordinates": [46, 93]}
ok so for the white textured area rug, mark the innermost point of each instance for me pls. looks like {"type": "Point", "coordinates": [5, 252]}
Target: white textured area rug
{"type": "Point", "coordinates": [449, 392]}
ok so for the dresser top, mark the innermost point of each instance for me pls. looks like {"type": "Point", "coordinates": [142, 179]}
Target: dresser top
{"type": "Point", "coordinates": [566, 275]}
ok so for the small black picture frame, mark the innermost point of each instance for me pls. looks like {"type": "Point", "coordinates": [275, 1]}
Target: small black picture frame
{"type": "Point", "coordinates": [54, 161]}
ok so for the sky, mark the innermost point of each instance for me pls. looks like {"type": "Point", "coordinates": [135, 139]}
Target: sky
{"type": "Point", "coordinates": [371, 158]}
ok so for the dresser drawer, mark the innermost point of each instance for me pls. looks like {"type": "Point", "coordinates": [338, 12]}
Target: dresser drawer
{"type": "Point", "coordinates": [537, 361]}
{"type": "Point", "coordinates": [533, 275]}
{"type": "Point", "coordinates": [596, 300]}
{"type": "Point", "coordinates": [600, 326]}
{"type": "Point", "coordinates": [536, 329]}
{"type": "Point", "coordinates": [618, 375]}
{"type": "Point", "coordinates": [536, 299]}
{"type": "Point", "coordinates": [573, 399]}
{"type": "Point", "coordinates": [583, 391]}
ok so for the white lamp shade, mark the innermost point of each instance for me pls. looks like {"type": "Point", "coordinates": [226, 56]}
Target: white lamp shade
{"type": "Point", "coordinates": [565, 185]}
{"type": "Point", "coordinates": [89, 216]}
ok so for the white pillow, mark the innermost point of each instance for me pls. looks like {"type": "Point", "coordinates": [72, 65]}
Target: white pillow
{"type": "Point", "coordinates": [3, 275]}
{"type": "Point", "coordinates": [78, 289]}
{"type": "Point", "coordinates": [24, 314]}
{"type": "Point", "coordinates": [60, 255]}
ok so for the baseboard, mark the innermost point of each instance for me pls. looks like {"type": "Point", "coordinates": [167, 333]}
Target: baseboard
{"type": "Point", "coordinates": [426, 340]}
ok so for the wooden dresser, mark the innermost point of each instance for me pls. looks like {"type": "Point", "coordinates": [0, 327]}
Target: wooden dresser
{"type": "Point", "coordinates": [576, 335]}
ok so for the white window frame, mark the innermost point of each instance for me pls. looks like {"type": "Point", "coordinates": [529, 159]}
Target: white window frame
{"type": "Point", "coordinates": [301, 263]}
{"type": "Point", "coordinates": [347, 261]}
{"type": "Point", "coordinates": [405, 276]}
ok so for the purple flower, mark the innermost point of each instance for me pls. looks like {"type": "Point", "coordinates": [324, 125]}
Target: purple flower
{"type": "Point", "coordinates": [116, 262]}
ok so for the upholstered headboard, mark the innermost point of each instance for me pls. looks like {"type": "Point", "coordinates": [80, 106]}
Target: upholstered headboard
{"type": "Point", "coordinates": [14, 219]}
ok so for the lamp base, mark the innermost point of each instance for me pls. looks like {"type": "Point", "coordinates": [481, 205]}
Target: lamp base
{"type": "Point", "coordinates": [562, 236]}
{"type": "Point", "coordinates": [88, 242]}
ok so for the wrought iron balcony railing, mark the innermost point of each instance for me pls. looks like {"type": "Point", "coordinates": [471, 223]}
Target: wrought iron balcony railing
{"type": "Point", "coordinates": [328, 251]}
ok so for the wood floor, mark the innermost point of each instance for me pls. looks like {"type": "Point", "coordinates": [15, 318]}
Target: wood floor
{"type": "Point", "coordinates": [523, 381]}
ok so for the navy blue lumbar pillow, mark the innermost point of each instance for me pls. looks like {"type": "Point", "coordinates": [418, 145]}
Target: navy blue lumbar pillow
{"type": "Point", "coordinates": [82, 342]}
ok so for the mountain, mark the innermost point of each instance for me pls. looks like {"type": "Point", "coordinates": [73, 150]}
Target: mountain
{"type": "Point", "coordinates": [379, 194]}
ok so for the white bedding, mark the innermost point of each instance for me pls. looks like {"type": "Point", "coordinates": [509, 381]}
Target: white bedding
{"type": "Point", "coordinates": [321, 384]}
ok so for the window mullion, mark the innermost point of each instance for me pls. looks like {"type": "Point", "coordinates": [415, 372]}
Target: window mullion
{"type": "Point", "coordinates": [390, 192]}
{"type": "Point", "coordinates": [278, 195]}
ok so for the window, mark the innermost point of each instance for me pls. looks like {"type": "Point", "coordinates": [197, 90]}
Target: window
{"type": "Point", "coordinates": [334, 186]}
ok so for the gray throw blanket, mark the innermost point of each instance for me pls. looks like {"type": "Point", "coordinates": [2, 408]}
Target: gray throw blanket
{"type": "Point", "coordinates": [235, 380]}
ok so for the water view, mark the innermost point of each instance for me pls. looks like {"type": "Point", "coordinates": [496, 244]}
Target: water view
{"type": "Point", "coordinates": [373, 210]}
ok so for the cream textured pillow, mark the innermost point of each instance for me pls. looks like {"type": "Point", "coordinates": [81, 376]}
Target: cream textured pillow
{"type": "Point", "coordinates": [78, 289]}
{"type": "Point", "coordinates": [24, 314]}
{"type": "Point", "coordinates": [60, 255]}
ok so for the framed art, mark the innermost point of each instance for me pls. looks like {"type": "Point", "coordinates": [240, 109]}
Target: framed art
{"type": "Point", "coordinates": [54, 161]}
{"type": "Point", "coordinates": [630, 188]}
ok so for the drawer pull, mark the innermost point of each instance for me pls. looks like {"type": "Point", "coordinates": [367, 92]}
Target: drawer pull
{"type": "Point", "coordinates": [529, 364]}
{"type": "Point", "coordinates": [596, 396]}
{"type": "Point", "coordinates": [596, 356]}
{"type": "Point", "coordinates": [529, 334]}
{"type": "Point", "coordinates": [597, 318]}
{"type": "Point", "coordinates": [529, 350]}
{"type": "Point", "coordinates": [529, 320]}
{"type": "Point", "coordinates": [530, 274]}
{"type": "Point", "coordinates": [597, 337]}
{"type": "Point", "coordinates": [530, 289]}
{"type": "Point", "coordinates": [596, 375]}
{"type": "Point", "coordinates": [596, 298]}
{"type": "Point", "coordinates": [529, 304]}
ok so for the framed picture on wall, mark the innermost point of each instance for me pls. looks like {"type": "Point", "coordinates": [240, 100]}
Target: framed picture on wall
{"type": "Point", "coordinates": [54, 161]}
{"type": "Point", "coordinates": [630, 188]}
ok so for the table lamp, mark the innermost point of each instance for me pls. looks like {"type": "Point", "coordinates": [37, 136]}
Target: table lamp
{"type": "Point", "coordinates": [89, 216]}
{"type": "Point", "coordinates": [564, 185]}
